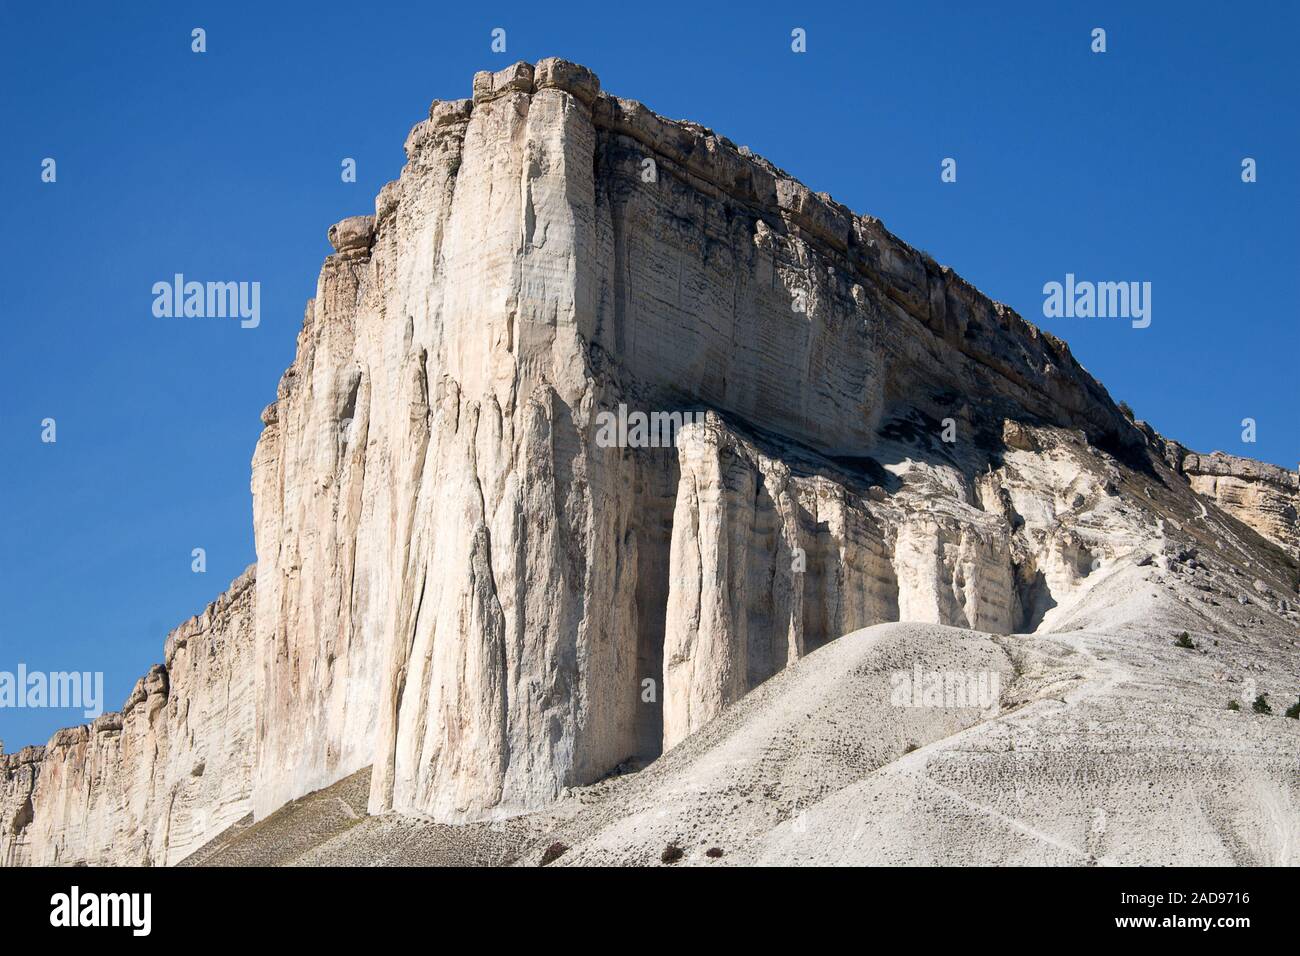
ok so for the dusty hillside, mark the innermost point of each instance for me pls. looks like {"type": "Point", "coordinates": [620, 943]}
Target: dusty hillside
{"type": "Point", "coordinates": [1110, 747]}
{"type": "Point", "coordinates": [1107, 745]}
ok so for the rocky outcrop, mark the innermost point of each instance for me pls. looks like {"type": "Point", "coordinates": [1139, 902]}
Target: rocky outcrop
{"type": "Point", "coordinates": [460, 583]}
{"type": "Point", "coordinates": [1263, 496]}
{"type": "Point", "coordinates": [18, 774]}
{"type": "Point", "coordinates": [776, 551]}
{"type": "Point", "coordinates": [569, 275]}
{"type": "Point", "coordinates": [152, 783]}
{"type": "Point", "coordinates": [735, 609]}
{"type": "Point", "coordinates": [353, 237]}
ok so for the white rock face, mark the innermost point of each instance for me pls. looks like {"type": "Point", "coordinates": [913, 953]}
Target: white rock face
{"type": "Point", "coordinates": [151, 784]}
{"type": "Point", "coordinates": [735, 606]}
{"type": "Point", "coordinates": [461, 585]}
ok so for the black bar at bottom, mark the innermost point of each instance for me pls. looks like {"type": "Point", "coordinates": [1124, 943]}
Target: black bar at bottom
{"type": "Point", "coordinates": [585, 907]}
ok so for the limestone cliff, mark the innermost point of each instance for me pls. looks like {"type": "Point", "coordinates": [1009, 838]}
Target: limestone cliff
{"type": "Point", "coordinates": [458, 584]}
{"type": "Point", "coordinates": [1263, 496]}
{"type": "Point", "coordinates": [153, 782]}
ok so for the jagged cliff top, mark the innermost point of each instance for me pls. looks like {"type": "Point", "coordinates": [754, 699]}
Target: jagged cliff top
{"type": "Point", "coordinates": [154, 682]}
{"type": "Point", "coordinates": [1222, 463]}
{"type": "Point", "coordinates": [987, 330]}
{"type": "Point", "coordinates": [710, 159]}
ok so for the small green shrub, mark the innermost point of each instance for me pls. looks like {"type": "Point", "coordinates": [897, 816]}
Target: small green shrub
{"type": "Point", "coordinates": [1185, 642]}
{"type": "Point", "coordinates": [1261, 705]}
{"type": "Point", "coordinates": [1294, 711]}
{"type": "Point", "coordinates": [1233, 705]}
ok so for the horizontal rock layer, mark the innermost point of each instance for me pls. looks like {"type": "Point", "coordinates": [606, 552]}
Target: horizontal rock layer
{"type": "Point", "coordinates": [1263, 496]}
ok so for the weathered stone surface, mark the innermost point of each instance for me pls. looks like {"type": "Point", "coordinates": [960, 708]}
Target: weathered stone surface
{"type": "Point", "coordinates": [735, 614]}
{"type": "Point", "coordinates": [554, 73]}
{"type": "Point", "coordinates": [460, 585]}
{"type": "Point", "coordinates": [153, 783]}
{"type": "Point", "coordinates": [459, 564]}
{"type": "Point", "coordinates": [353, 236]}
{"type": "Point", "coordinates": [516, 78]}
{"type": "Point", "coordinates": [1263, 496]}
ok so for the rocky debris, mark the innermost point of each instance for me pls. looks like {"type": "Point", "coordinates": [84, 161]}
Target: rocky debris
{"type": "Point", "coordinates": [815, 766]}
{"type": "Point", "coordinates": [1016, 435]}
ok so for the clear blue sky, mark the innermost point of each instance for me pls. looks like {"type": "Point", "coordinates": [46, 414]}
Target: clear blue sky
{"type": "Point", "coordinates": [1124, 165]}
